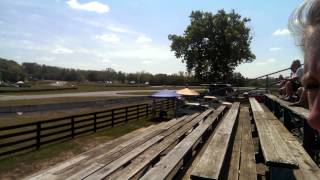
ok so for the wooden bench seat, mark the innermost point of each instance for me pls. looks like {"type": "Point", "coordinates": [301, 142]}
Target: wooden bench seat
{"type": "Point", "coordinates": [145, 160]}
{"type": "Point", "coordinates": [170, 164]}
{"type": "Point", "coordinates": [299, 111]}
{"type": "Point", "coordinates": [275, 150]}
{"type": "Point", "coordinates": [307, 168]}
{"type": "Point", "coordinates": [111, 149]}
{"type": "Point", "coordinates": [211, 161]}
{"type": "Point", "coordinates": [141, 147]}
{"type": "Point", "coordinates": [242, 165]}
{"type": "Point", "coordinates": [110, 168]}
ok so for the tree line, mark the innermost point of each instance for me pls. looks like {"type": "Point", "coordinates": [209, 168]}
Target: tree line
{"type": "Point", "coordinates": [11, 71]}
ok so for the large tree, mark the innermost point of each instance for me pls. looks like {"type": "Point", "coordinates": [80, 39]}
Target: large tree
{"type": "Point", "coordinates": [213, 45]}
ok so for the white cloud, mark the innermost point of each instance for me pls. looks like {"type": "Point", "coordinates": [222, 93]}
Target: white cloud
{"type": "Point", "coordinates": [271, 60]}
{"type": "Point", "coordinates": [90, 6]}
{"type": "Point", "coordinates": [273, 49]}
{"type": "Point", "coordinates": [143, 39]}
{"type": "Point", "coordinates": [111, 38]}
{"type": "Point", "coordinates": [118, 29]}
{"type": "Point", "coordinates": [1, 22]}
{"type": "Point", "coordinates": [281, 32]}
{"type": "Point", "coordinates": [61, 50]}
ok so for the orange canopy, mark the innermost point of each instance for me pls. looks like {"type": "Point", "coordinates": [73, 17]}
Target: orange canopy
{"type": "Point", "coordinates": [187, 92]}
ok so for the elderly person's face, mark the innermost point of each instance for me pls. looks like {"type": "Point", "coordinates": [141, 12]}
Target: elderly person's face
{"type": "Point", "coordinates": [311, 78]}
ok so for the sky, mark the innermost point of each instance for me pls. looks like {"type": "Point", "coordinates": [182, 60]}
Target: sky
{"type": "Point", "coordinates": [132, 35]}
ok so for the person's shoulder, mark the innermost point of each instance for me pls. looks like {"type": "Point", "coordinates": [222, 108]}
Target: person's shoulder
{"type": "Point", "coordinates": [300, 69]}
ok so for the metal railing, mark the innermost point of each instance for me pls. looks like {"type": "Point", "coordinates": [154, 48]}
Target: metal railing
{"type": "Point", "coordinates": [267, 85]}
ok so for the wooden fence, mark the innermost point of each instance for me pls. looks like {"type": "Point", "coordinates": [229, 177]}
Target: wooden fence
{"type": "Point", "coordinates": [22, 137]}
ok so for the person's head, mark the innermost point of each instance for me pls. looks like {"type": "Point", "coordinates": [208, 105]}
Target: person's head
{"type": "Point", "coordinates": [295, 65]}
{"type": "Point", "coordinates": [305, 24]}
{"type": "Point", "coordinates": [280, 77]}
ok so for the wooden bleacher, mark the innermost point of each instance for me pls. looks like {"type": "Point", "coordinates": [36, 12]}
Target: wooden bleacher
{"type": "Point", "coordinates": [286, 156]}
{"type": "Point", "coordinates": [275, 151]}
{"type": "Point", "coordinates": [295, 118]}
{"type": "Point", "coordinates": [210, 164]}
{"type": "Point", "coordinates": [215, 144]}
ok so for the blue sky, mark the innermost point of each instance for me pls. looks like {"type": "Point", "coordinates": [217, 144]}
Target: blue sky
{"type": "Point", "coordinates": [131, 35]}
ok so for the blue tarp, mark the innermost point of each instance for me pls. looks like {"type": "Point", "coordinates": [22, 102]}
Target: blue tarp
{"type": "Point", "coordinates": [165, 94]}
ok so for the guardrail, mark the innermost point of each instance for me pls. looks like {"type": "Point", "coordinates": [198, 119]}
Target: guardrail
{"type": "Point", "coordinates": [22, 137]}
{"type": "Point", "coordinates": [268, 75]}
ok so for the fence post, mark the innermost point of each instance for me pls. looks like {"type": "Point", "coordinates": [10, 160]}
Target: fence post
{"type": "Point", "coordinates": [72, 127]}
{"type": "Point", "coordinates": [38, 134]}
{"type": "Point", "coordinates": [267, 82]}
{"type": "Point", "coordinates": [112, 117]}
{"type": "Point", "coordinates": [126, 114]}
{"type": "Point", "coordinates": [95, 122]}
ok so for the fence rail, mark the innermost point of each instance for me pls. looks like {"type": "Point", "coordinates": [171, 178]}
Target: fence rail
{"type": "Point", "coordinates": [22, 137]}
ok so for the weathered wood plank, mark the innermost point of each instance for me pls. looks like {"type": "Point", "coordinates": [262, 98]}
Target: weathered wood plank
{"type": "Point", "coordinates": [90, 154]}
{"type": "Point", "coordinates": [145, 160]}
{"type": "Point", "coordinates": [118, 163]}
{"type": "Point", "coordinates": [307, 167]}
{"type": "Point", "coordinates": [255, 105]}
{"type": "Point", "coordinates": [172, 162]}
{"type": "Point", "coordinates": [233, 173]}
{"type": "Point", "coordinates": [211, 162]}
{"type": "Point", "coordinates": [299, 111]}
{"type": "Point", "coordinates": [247, 164]}
{"type": "Point", "coordinates": [130, 140]}
{"type": "Point", "coordinates": [106, 170]}
{"type": "Point", "coordinates": [274, 148]}
{"type": "Point", "coordinates": [125, 151]}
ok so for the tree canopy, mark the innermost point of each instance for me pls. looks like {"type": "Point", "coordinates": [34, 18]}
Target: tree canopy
{"type": "Point", "coordinates": [10, 71]}
{"type": "Point", "coordinates": [213, 45]}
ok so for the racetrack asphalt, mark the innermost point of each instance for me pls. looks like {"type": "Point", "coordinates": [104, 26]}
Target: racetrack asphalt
{"type": "Point", "coordinates": [80, 94]}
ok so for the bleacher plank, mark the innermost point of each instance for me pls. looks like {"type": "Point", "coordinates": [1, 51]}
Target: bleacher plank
{"type": "Point", "coordinates": [211, 162]}
{"type": "Point", "coordinates": [247, 163]}
{"type": "Point", "coordinates": [234, 166]}
{"type": "Point", "coordinates": [299, 111]}
{"type": "Point", "coordinates": [275, 150]}
{"type": "Point", "coordinates": [145, 160]}
{"type": "Point", "coordinates": [308, 169]}
{"type": "Point", "coordinates": [172, 162]}
{"type": "Point", "coordinates": [118, 163]}
{"type": "Point", "coordinates": [114, 161]}
{"type": "Point", "coordinates": [91, 153]}
{"type": "Point", "coordinates": [115, 151]}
